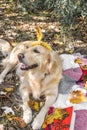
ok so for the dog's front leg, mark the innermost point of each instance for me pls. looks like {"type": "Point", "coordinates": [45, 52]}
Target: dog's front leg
{"type": "Point", "coordinates": [38, 121]}
{"type": "Point", "coordinates": [8, 67]}
{"type": "Point", "coordinates": [27, 113]}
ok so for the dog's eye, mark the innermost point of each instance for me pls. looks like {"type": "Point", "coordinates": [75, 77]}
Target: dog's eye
{"type": "Point", "coordinates": [36, 51]}
{"type": "Point", "coordinates": [27, 46]}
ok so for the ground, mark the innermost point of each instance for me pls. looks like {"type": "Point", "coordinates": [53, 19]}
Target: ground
{"type": "Point", "coordinates": [16, 26]}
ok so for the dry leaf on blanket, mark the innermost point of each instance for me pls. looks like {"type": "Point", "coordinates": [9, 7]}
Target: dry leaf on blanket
{"type": "Point", "coordinates": [77, 97]}
{"type": "Point", "coordinates": [57, 114]}
{"type": "Point", "coordinates": [84, 67]}
{"type": "Point", "coordinates": [78, 60]}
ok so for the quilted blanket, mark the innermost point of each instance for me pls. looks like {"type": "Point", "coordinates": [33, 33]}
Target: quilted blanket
{"type": "Point", "coordinates": [69, 112]}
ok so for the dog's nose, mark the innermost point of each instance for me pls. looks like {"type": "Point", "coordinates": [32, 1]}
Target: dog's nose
{"type": "Point", "coordinates": [20, 56]}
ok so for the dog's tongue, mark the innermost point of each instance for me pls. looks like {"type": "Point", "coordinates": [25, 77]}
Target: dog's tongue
{"type": "Point", "coordinates": [24, 66]}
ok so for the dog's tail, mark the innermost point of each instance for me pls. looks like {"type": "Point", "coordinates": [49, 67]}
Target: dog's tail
{"type": "Point", "coordinates": [5, 47]}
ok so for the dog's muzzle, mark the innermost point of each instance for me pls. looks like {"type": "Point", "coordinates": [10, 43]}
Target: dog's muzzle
{"type": "Point", "coordinates": [20, 57]}
{"type": "Point", "coordinates": [23, 65]}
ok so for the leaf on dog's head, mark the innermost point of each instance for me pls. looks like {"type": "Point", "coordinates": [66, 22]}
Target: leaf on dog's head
{"type": "Point", "coordinates": [44, 44]}
{"type": "Point", "coordinates": [77, 97]}
{"type": "Point", "coordinates": [39, 33]}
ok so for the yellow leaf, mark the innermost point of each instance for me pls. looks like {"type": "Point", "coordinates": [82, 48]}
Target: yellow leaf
{"type": "Point", "coordinates": [56, 36]}
{"type": "Point", "coordinates": [39, 33]}
{"type": "Point", "coordinates": [34, 105]}
{"type": "Point", "coordinates": [10, 117]}
{"type": "Point", "coordinates": [57, 114]}
{"type": "Point", "coordinates": [78, 60]}
{"type": "Point", "coordinates": [46, 45]}
{"type": "Point", "coordinates": [77, 97]}
{"type": "Point", "coordinates": [48, 120]}
{"type": "Point", "coordinates": [84, 67]}
{"type": "Point", "coordinates": [9, 89]}
{"type": "Point", "coordinates": [71, 51]}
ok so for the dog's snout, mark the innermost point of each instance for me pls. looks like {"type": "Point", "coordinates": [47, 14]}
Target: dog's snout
{"type": "Point", "coordinates": [20, 56]}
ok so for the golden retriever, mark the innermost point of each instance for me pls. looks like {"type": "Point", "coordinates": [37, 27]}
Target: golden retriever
{"type": "Point", "coordinates": [11, 60]}
{"type": "Point", "coordinates": [40, 71]}
{"type": "Point", "coordinates": [5, 47]}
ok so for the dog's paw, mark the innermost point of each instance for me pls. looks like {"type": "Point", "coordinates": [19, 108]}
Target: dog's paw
{"type": "Point", "coordinates": [37, 123]}
{"type": "Point", "coordinates": [27, 117]}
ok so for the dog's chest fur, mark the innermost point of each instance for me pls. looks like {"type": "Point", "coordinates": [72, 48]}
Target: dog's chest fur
{"type": "Point", "coordinates": [41, 83]}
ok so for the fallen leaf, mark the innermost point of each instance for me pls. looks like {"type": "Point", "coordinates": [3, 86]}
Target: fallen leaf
{"type": "Point", "coordinates": [39, 33]}
{"type": "Point", "coordinates": [78, 60]}
{"type": "Point", "coordinates": [10, 117]}
{"type": "Point", "coordinates": [34, 105]}
{"type": "Point", "coordinates": [57, 114]}
{"type": "Point", "coordinates": [84, 67]}
{"type": "Point", "coordinates": [77, 97]}
{"type": "Point", "coordinates": [9, 89]}
{"type": "Point", "coordinates": [20, 122]}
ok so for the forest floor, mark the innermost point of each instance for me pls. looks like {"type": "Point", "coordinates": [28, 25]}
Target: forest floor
{"type": "Point", "coordinates": [19, 26]}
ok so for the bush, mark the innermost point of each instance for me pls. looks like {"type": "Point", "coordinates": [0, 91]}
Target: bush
{"type": "Point", "coordinates": [65, 11]}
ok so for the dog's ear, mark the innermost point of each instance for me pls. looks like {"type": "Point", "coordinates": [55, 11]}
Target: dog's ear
{"type": "Point", "coordinates": [53, 61]}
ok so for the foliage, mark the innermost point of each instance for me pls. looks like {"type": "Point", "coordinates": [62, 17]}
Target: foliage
{"type": "Point", "coordinates": [68, 10]}
{"type": "Point", "coordinates": [65, 11]}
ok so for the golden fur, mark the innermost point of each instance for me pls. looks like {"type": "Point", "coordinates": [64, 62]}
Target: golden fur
{"type": "Point", "coordinates": [11, 60]}
{"type": "Point", "coordinates": [43, 79]}
{"type": "Point", "coordinates": [40, 71]}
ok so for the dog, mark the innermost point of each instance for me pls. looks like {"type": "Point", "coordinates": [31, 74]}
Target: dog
{"type": "Point", "coordinates": [11, 55]}
{"type": "Point", "coordinates": [5, 47]}
{"type": "Point", "coordinates": [40, 71]}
